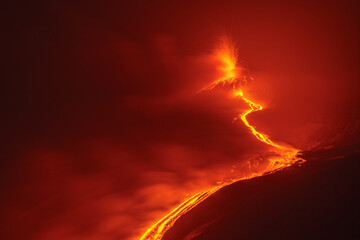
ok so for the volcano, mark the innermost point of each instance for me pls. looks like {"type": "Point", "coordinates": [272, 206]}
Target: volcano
{"type": "Point", "coordinates": [125, 119]}
{"type": "Point", "coordinates": [318, 200]}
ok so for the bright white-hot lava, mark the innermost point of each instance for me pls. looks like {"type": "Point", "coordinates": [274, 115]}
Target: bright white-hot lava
{"type": "Point", "coordinates": [285, 156]}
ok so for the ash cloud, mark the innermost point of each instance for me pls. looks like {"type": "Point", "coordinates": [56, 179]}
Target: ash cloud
{"type": "Point", "coordinates": [104, 129]}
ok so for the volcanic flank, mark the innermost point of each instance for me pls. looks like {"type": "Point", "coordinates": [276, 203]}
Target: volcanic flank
{"type": "Point", "coordinates": [280, 157]}
{"type": "Point", "coordinates": [318, 200]}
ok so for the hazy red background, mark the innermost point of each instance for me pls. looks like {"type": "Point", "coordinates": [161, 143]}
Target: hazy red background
{"type": "Point", "coordinates": [103, 129]}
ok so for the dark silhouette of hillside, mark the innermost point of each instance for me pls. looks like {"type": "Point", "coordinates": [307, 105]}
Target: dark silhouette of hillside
{"type": "Point", "coordinates": [318, 200]}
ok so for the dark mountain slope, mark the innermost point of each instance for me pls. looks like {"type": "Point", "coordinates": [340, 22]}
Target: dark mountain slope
{"type": "Point", "coordinates": [318, 200]}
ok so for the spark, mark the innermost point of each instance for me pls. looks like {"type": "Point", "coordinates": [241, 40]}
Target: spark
{"type": "Point", "coordinates": [286, 156]}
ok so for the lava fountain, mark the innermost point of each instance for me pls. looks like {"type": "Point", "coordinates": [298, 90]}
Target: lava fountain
{"type": "Point", "coordinates": [285, 155]}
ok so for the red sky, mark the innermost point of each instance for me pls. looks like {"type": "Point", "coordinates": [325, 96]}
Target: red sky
{"type": "Point", "coordinates": [103, 127]}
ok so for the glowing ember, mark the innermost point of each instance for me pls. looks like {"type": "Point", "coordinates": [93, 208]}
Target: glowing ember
{"type": "Point", "coordinates": [286, 156]}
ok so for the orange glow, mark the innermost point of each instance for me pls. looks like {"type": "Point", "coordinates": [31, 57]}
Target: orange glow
{"type": "Point", "coordinates": [226, 54]}
{"type": "Point", "coordinates": [286, 156]}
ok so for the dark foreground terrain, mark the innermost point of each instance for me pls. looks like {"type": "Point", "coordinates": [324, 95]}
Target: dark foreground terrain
{"type": "Point", "coordinates": [318, 200]}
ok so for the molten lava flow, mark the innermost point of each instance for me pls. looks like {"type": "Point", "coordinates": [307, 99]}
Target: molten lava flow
{"type": "Point", "coordinates": [285, 156]}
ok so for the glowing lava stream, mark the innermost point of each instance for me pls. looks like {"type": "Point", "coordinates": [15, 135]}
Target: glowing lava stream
{"type": "Point", "coordinates": [287, 155]}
